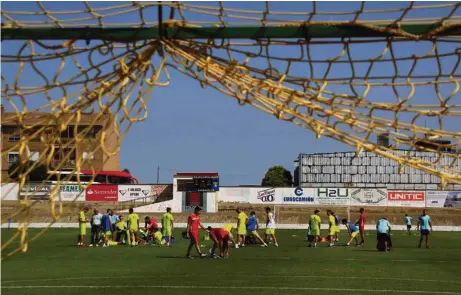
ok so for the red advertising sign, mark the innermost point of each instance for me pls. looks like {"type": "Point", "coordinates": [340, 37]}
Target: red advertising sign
{"type": "Point", "coordinates": [406, 198]}
{"type": "Point", "coordinates": [102, 193]}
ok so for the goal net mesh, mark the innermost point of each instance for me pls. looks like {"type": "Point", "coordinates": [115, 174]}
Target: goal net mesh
{"type": "Point", "coordinates": [368, 71]}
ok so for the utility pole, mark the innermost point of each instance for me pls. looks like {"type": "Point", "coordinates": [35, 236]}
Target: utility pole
{"type": "Point", "coordinates": [158, 173]}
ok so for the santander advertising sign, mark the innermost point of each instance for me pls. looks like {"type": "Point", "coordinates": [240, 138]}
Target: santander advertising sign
{"type": "Point", "coordinates": [102, 193]}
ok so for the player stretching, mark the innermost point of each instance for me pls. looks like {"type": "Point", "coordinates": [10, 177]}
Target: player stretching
{"type": "Point", "coordinates": [193, 223]}
{"type": "Point", "coordinates": [133, 226]}
{"type": "Point", "coordinates": [220, 237]}
{"type": "Point", "coordinates": [82, 226]}
{"type": "Point", "coordinates": [314, 226]}
{"type": "Point", "coordinates": [242, 220]}
{"type": "Point", "coordinates": [332, 227]}
{"type": "Point", "coordinates": [253, 227]}
{"type": "Point", "coordinates": [270, 227]}
{"type": "Point", "coordinates": [338, 226]}
{"type": "Point", "coordinates": [424, 223]}
{"type": "Point", "coordinates": [352, 230]}
{"type": "Point", "coordinates": [361, 224]}
{"type": "Point", "coordinates": [408, 223]}
{"type": "Point", "coordinates": [167, 225]}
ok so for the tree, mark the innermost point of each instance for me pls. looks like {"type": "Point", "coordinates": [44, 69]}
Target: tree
{"type": "Point", "coordinates": [126, 170]}
{"type": "Point", "coordinates": [38, 173]}
{"type": "Point", "coordinates": [277, 176]}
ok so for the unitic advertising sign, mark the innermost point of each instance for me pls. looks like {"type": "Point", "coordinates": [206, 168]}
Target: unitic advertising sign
{"type": "Point", "coordinates": [332, 196]}
{"type": "Point", "coordinates": [406, 198]}
{"type": "Point", "coordinates": [102, 193]}
{"type": "Point", "coordinates": [368, 197]}
{"type": "Point", "coordinates": [298, 195]}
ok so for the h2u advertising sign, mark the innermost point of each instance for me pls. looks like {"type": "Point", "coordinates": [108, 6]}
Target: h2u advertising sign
{"type": "Point", "coordinates": [332, 196]}
{"type": "Point", "coordinates": [406, 198]}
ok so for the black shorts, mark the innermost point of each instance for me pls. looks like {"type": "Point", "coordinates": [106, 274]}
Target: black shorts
{"type": "Point", "coordinates": [408, 226]}
{"type": "Point", "coordinates": [425, 232]}
{"type": "Point", "coordinates": [383, 237]}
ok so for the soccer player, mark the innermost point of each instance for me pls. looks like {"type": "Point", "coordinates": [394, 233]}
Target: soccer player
{"type": "Point", "coordinates": [361, 224]}
{"type": "Point", "coordinates": [408, 223]}
{"type": "Point", "coordinates": [383, 228]}
{"type": "Point", "coordinates": [96, 225]}
{"type": "Point", "coordinates": [150, 224]}
{"type": "Point", "coordinates": [133, 226]}
{"type": "Point", "coordinates": [82, 226]}
{"type": "Point", "coordinates": [114, 219]}
{"type": "Point", "coordinates": [352, 230]}
{"type": "Point", "coordinates": [424, 223]}
{"type": "Point", "coordinates": [314, 225]}
{"type": "Point", "coordinates": [331, 228]}
{"type": "Point", "coordinates": [106, 227]}
{"type": "Point", "coordinates": [167, 225]}
{"type": "Point", "coordinates": [220, 237]}
{"type": "Point", "coordinates": [253, 227]}
{"type": "Point", "coordinates": [270, 227]}
{"type": "Point", "coordinates": [229, 227]}
{"type": "Point", "coordinates": [242, 220]}
{"type": "Point", "coordinates": [158, 238]}
{"type": "Point", "coordinates": [338, 226]}
{"type": "Point", "coordinates": [193, 223]}
{"type": "Point", "coordinates": [121, 229]}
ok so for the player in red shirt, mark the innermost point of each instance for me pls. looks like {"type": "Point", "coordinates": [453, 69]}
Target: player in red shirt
{"type": "Point", "coordinates": [361, 224]}
{"type": "Point", "coordinates": [150, 224]}
{"type": "Point", "coordinates": [193, 223]}
{"type": "Point", "coordinates": [220, 238]}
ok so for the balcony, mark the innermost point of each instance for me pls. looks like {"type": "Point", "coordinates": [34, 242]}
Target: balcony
{"type": "Point", "coordinates": [65, 164]}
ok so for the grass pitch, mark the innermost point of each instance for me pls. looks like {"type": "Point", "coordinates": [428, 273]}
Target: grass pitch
{"type": "Point", "coordinates": [54, 265]}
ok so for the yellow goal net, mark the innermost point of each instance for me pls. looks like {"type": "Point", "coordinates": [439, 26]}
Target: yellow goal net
{"type": "Point", "coordinates": [351, 72]}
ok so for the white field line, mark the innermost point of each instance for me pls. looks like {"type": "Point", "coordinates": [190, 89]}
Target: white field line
{"type": "Point", "coordinates": [234, 288]}
{"type": "Point", "coordinates": [244, 276]}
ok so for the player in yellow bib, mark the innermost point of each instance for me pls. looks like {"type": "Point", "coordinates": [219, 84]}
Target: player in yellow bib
{"type": "Point", "coordinates": [82, 226]}
{"type": "Point", "coordinates": [331, 228]}
{"type": "Point", "coordinates": [229, 227]}
{"type": "Point", "coordinates": [133, 226]}
{"type": "Point", "coordinates": [167, 225]}
{"type": "Point", "coordinates": [242, 220]}
{"type": "Point", "coordinates": [314, 226]}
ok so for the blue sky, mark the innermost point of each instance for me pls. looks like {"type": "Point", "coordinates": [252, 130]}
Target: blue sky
{"type": "Point", "coordinates": [195, 129]}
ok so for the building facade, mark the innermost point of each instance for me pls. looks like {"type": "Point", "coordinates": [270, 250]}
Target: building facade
{"type": "Point", "coordinates": [42, 136]}
{"type": "Point", "coordinates": [368, 170]}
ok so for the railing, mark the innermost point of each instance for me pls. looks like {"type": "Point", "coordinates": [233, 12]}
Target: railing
{"type": "Point", "coordinates": [142, 201]}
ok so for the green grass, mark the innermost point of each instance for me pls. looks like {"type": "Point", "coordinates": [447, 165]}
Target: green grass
{"type": "Point", "coordinates": [59, 267]}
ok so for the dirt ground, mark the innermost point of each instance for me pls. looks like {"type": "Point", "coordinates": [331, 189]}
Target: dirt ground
{"type": "Point", "coordinates": [40, 212]}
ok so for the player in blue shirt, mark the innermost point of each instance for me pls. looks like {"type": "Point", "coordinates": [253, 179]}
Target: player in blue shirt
{"type": "Point", "coordinates": [107, 227]}
{"type": "Point", "coordinates": [408, 223]}
{"type": "Point", "coordinates": [353, 231]}
{"type": "Point", "coordinates": [424, 223]}
{"type": "Point", "coordinates": [383, 227]}
{"type": "Point", "coordinates": [253, 227]}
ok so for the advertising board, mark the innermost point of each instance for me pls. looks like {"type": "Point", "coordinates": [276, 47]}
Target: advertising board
{"type": "Point", "coordinates": [368, 197]}
{"type": "Point", "coordinates": [102, 193]}
{"type": "Point", "coordinates": [406, 198]}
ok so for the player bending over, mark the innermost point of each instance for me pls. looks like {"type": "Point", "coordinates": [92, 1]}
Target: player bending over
{"type": "Point", "coordinates": [229, 227]}
{"type": "Point", "coordinates": [337, 226]}
{"type": "Point", "coordinates": [133, 227]}
{"type": "Point", "coordinates": [253, 227]}
{"type": "Point", "coordinates": [383, 228]}
{"type": "Point", "coordinates": [193, 223]}
{"type": "Point", "coordinates": [314, 225]}
{"type": "Point", "coordinates": [220, 238]}
{"type": "Point", "coordinates": [242, 220]}
{"type": "Point", "coordinates": [408, 224]}
{"type": "Point", "coordinates": [424, 223]}
{"type": "Point", "coordinates": [352, 230]}
{"type": "Point", "coordinates": [270, 227]}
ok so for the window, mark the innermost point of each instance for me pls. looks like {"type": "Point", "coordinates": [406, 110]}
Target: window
{"type": "Point", "coordinates": [34, 156]}
{"type": "Point", "coordinates": [13, 133]}
{"type": "Point", "coordinates": [88, 155]}
{"type": "Point", "coordinates": [68, 133]}
{"type": "Point", "coordinates": [119, 179]}
{"type": "Point", "coordinates": [13, 157]}
{"type": "Point", "coordinates": [89, 132]}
